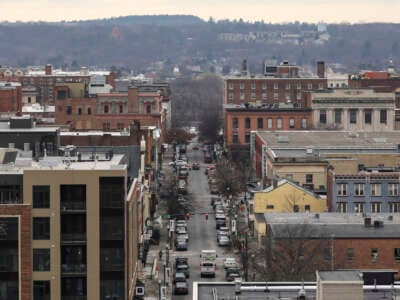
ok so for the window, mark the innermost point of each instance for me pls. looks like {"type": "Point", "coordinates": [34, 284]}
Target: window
{"type": "Point", "coordinates": [270, 207]}
{"type": "Point", "coordinates": [264, 96]}
{"type": "Point", "coordinates": [396, 254]}
{"type": "Point", "coordinates": [304, 123]}
{"type": "Point", "coordinates": [298, 96]}
{"type": "Point", "coordinates": [276, 86]}
{"type": "Point", "coordinates": [310, 86]}
{"type": "Point", "coordinates": [41, 196]}
{"type": "Point", "coordinates": [69, 110]}
{"type": "Point", "coordinates": [291, 123]}
{"type": "Point", "coordinates": [287, 86]}
{"type": "Point", "coordinates": [309, 178]}
{"type": "Point", "coordinates": [376, 207]}
{"type": "Point", "coordinates": [260, 123]}
{"type": "Point", "coordinates": [41, 290]}
{"type": "Point", "coordinates": [253, 96]}
{"type": "Point", "coordinates": [148, 108]}
{"type": "Point", "coordinates": [393, 189]}
{"type": "Point", "coordinates": [253, 85]}
{"type": "Point", "coordinates": [29, 100]}
{"type": "Point", "coordinates": [394, 207]}
{"type": "Point", "coordinates": [320, 86]}
{"type": "Point", "coordinates": [269, 123]}
{"type": "Point", "coordinates": [230, 86]}
{"type": "Point", "coordinates": [374, 254]}
{"type": "Point", "coordinates": [358, 207]}
{"type": "Point", "coordinates": [341, 207]}
{"type": "Point", "coordinates": [279, 123]}
{"type": "Point", "coordinates": [307, 208]}
{"type": "Point", "coordinates": [383, 116]}
{"type": "Point", "coordinates": [353, 116]}
{"type": "Point", "coordinates": [350, 254]}
{"type": "Point", "coordinates": [106, 126]}
{"type": "Point", "coordinates": [61, 95]}
{"type": "Point", "coordinates": [299, 86]}
{"type": "Point", "coordinates": [235, 138]}
{"type": "Point", "coordinates": [367, 116]}
{"type": "Point", "coordinates": [341, 189]}
{"type": "Point", "coordinates": [241, 96]}
{"type": "Point", "coordinates": [89, 111]}
{"type": "Point", "coordinates": [359, 189]}
{"type": "Point", "coordinates": [338, 116]}
{"type": "Point", "coordinates": [247, 138]}
{"type": "Point", "coordinates": [288, 97]}
{"type": "Point", "coordinates": [120, 126]}
{"type": "Point", "coordinates": [327, 253]}
{"type": "Point", "coordinates": [264, 85]}
{"type": "Point", "coordinates": [106, 109]}
{"type": "Point", "coordinates": [230, 96]}
{"type": "Point", "coordinates": [375, 189]}
{"type": "Point", "coordinates": [296, 208]}
{"type": "Point", "coordinates": [242, 86]}
{"type": "Point", "coordinates": [41, 228]}
{"type": "Point", "coordinates": [235, 122]}
{"type": "Point", "coordinates": [41, 260]}
{"type": "Point", "coordinates": [322, 116]}
{"type": "Point", "coordinates": [121, 108]}
{"type": "Point", "coordinates": [275, 96]}
{"type": "Point", "coordinates": [247, 123]}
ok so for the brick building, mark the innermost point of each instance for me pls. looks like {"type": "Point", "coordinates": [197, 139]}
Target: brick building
{"type": "Point", "coordinates": [10, 97]}
{"type": "Point", "coordinates": [279, 84]}
{"type": "Point", "coordinates": [332, 241]}
{"type": "Point", "coordinates": [69, 228]}
{"type": "Point", "coordinates": [240, 120]}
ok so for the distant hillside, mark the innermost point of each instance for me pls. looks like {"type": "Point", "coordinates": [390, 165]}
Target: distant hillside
{"type": "Point", "coordinates": [162, 42]}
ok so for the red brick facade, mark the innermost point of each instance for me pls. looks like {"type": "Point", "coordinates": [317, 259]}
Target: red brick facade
{"type": "Point", "coordinates": [239, 122]}
{"type": "Point", "coordinates": [10, 98]}
{"type": "Point", "coordinates": [25, 244]}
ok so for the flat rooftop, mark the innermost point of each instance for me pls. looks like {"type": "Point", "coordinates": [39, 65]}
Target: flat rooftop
{"type": "Point", "coordinates": [65, 163]}
{"type": "Point", "coordinates": [348, 275]}
{"type": "Point", "coordinates": [352, 94]}
{"type": "Point", "coordinates": [297, 143]}
{"type": "Point", "coordinates": [5, 127]}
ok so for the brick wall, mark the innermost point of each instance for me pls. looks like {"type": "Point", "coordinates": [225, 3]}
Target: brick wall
{"type": "Point", "coordinates": [25, 240]}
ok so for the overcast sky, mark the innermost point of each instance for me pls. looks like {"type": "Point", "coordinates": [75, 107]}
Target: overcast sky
{"type": "Point", "coordinates": [353, 11]}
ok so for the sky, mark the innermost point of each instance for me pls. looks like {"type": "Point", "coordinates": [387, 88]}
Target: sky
{"type": "Point", "coordinates": [275, 11]}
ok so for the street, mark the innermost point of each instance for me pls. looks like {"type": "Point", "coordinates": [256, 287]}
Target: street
{"type": "Point", "coordinates": [202, 233]}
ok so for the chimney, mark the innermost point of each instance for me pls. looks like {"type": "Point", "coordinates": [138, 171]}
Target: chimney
{"type": "Point", "coordinates": [244, 67]}
{"type": "Point", "coordinates": [48, 70]}
{"type": "Point", "coordinates": [321, 69]}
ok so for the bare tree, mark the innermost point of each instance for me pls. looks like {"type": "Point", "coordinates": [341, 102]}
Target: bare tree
{"type": "Point", "coordinates": [227, 179]}
{"type": "Point", "coordinates": [292, 252]}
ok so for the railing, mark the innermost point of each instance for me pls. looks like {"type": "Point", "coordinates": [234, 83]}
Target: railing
{"type": "Point", "coordinates": [78, 237]}
{"type": "Point", "coordinates": [80, 268]}
{"type": "Point", "coordinates": [73, 206]}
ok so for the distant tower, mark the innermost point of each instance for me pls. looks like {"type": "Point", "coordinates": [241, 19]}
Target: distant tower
{"type": "Point", "coordinates": [244, 67]}
{"type": "Point", "coordinates": [391, 69]}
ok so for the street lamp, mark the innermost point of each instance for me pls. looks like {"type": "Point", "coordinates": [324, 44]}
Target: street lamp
{"type": "Point", "coordinates": [167, 255]}
{"type": "Point", "coordinates": [159, 289]}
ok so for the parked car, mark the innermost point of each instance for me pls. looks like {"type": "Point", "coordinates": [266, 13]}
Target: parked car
{"type": "Point", "coordinates": [214, 189]}
{"type": "Point", "coordinates": [179, 277]}
{"type": "Point", "coordinates": [232, 273]}
{"type": "Point", "coordinates": [183, 236]}
{"type": "Point", "coordinates": [207, 268]}
{"type": "Point", "coordinates": [183, 268]}
{"type": "Point", "coordinates": [180, 229]}
{"type": "Point", "coordinates": [223, 240]}
{"type": "Point", "coordinates": [181, 245]}
{"type": "Point", "coordinates": [181, 223]}
{"type": "Point", "coordinates": [182, 186]}
{"type": "Point", "coordinates": [195, 166]}
{"type": "Point", "coordinates": [223, 230]}
{"type": "Point", "coordinates": [181, 288]}
{"type": "Point", "coordinates": [215, 200]}
{"type": "Point", "coordinates": [196, 147]}
{"type": "Point", "coordinates": [219, 211]}
{"type": "Point", "coordinates": [230, 262]}
{"type": "Point", "coordinates": [220, 223]}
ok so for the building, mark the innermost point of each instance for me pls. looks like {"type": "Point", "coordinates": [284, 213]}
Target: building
{"type": "Point", "coordinates": [24, 134]}
{"type": "Point", "coordinates": [279, 84]}
{"type": "Point", "coordinates": [10, 97]}
{"type": "Point", "coordinates": [346, 285]}
{"type": "Point", "coordinates": [371, 191]}
{"type": "Point", "coordinates": [240, 120]}
{"type": "Point", "coordinates": [45, 81]}
{"type": "Point", "coordinates": [286, 196]}
{"type": "Point", "coordinates": [333, 241]}
{"type": "Point", "coordinates": [76, 222]}
{"type": "Point", "coordinates": [304, 156]}
{"type": "Point", "coordinates": [353, 109]}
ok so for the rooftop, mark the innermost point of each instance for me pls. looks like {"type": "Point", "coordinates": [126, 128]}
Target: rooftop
{"type": "Point", "coordinates": [291, 144]}
{"type": "Point", "coordinates": [264, 107]}
{"type": "Point", "coordinates": [352, 94]}
{"type": "Point", "coordinates": [348, 275]}
{"type": "Point", "coordinates": [5, 127]}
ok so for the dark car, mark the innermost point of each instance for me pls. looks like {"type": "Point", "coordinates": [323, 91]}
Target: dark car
{"type": "Point", "coordinates": [181, 288]}
{"type": "Point", "coordinates": [181, 260]}
{"type": "Point", "coordinates": [183, 268]}
{"type": "Point", "coordinates": [215, 200]}
{"type": "Point", "coordinates": [195, 166]}
{"type": "Point", "coordinates": [220, 223]}
{"type": "Point", "coordinates": [181, 245]}
{"type": "Point", "coordinates": [179, 277]}
{"type": "Point", "coordinates": [232, 273]}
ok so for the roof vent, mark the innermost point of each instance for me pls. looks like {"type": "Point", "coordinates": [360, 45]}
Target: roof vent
{"type": "Point", "coordinates": [378, 224]}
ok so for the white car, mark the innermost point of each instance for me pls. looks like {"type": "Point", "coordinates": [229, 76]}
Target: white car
{"type": "Point", "coordinates": [230, 262]}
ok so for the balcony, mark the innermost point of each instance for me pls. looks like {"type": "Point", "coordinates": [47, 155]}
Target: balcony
{"type": "Point", "coordinates": [73, 269]}
{"type": "Point", "coordinates": [73, 207]}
